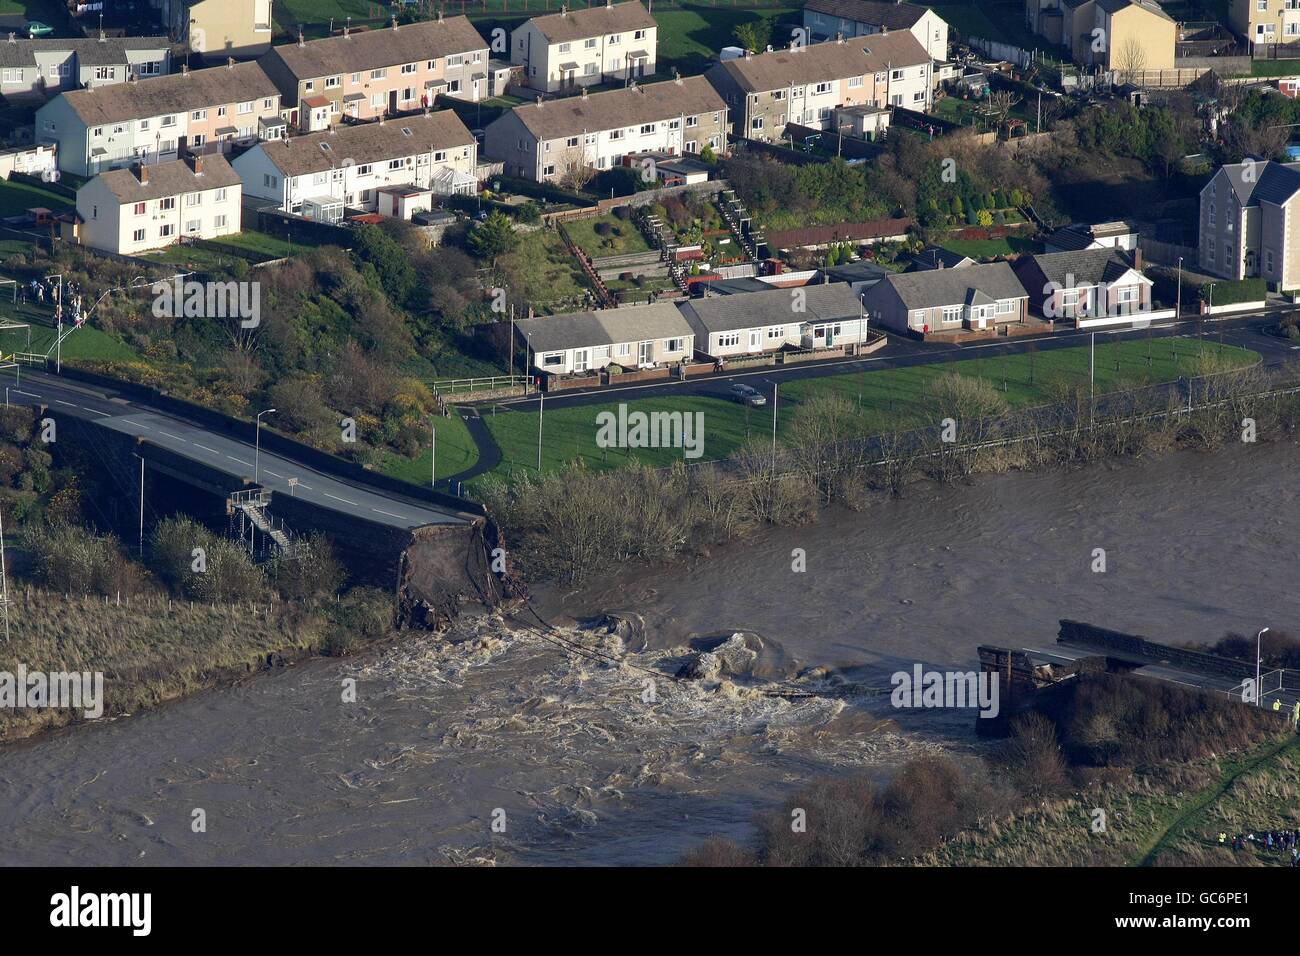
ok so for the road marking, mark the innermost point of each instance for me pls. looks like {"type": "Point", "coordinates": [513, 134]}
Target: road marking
{"type": "Point", "coordinates": [207, 449]}
{"type": "Point", "coordinates": [390, 514]}
{"type": "Point", "coordinates": [301, 485]}
{"type": "Point", "coordinates": [273, 474]}
{"type": "Point", "coordinates": [240, 460]}
{"type": "Point", "coordinates": [59, 401]}
{"type": "Point", "coordinates": [170, 435]}
{"type": "Point", "coordinates": [18, 391]}
{"type": "Point", "coordinates": [96, 411]}
{"type": "Point", "coordinates": [337, 498]}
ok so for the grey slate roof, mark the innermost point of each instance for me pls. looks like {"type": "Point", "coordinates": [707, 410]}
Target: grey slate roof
{"type": "Point", "coordinates": [932, 288]}
{"type": "Point", "coordinates": [830, 301]}
{"type": "Point", "coordinates": [365, 143]}
{"type": "Point", "coordinates": [819, 62]}
{"type": "Point", "coordinates": [576, 330]}
{"type": "Point", "coordinates": [1278, 181]}
{"type": "Point", "coordinates": [631, 106]}
{"type": "Point", "coordinates": [935, 257]}
{"type": "Point", "coordinates": [594, 21]}
{"type": "Point", "coordinates": [169, 179]}
{"type": "Point", "coordinates": [1084, 266]}
{"type": "Point", "coordinates": [176, 93]}
{"type": "Point", "coordinates": [859, 271]}
{"type": "Point", "coordinates": [381, 47]}
{"type": "Point", "coordinates": [90, 51]}
{"type": "Point", "coordinates": [1114, 6]}
{"type": "Point", "coordinates": [895, 16]}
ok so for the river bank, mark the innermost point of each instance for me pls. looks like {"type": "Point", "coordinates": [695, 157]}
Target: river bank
{"type": "Point", "coordinates": [446, 730]}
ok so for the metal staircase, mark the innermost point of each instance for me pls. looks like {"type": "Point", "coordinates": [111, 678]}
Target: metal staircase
{"type": "Point", "coordinates": [666, 240]}
{"type": "Point", "coordinates": [740, 222]}
{"type": "Point", "coordinates": [248, 515]}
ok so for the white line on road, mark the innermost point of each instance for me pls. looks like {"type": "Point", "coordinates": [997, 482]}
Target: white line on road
{"type": "Point", "coordinates": [18, 391]}
{"type": "Point", "coordinates": [248, 464]}
{"type": "Point", "coordinates": [273, 474]}
{"type": "Point", "coordinates": [212, 451]}
{"type": "Point", "coordinates": [59, 401]}
{"type": "Point", "coordinates": [337, 498]}
{"type": "Point", "coordinates": [390, 514]}
{"type": "Point", "coordinates": [96, 411]}
{"type": "Point", "coordinates": [170, 435]}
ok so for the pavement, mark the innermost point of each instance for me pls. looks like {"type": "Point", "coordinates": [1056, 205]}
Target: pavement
{"type": "Point", "coordinates": [226, 454]}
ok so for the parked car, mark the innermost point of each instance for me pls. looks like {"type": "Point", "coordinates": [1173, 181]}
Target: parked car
{"type": "Point", "coordinates": [747, 395]}
{"type": "Point", "coordinates": [38, 29]}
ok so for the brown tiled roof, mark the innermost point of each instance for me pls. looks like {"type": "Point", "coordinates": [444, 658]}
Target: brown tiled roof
{"type": "Point", "coordinates": [645, 103]}
{"type": "Point", "coordinates": [381, 47]}
{"type": "Point", "coordinates": [594, 21]}
{"type": "Point", "coordinates": [175, 93]}
{"type": "Point", "coordinates": [169, 179]}
{"type": "Point", "coordinates": [368, 143]}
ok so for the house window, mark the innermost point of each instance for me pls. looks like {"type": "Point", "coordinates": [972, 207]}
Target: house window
{"type": "Point", "coordinates": [553, 358]}
{"type": "Point", "coordinates": [571, 142]}
{"type": "Point", "coordinates": [616, 134]}
{"type": "Point", "coordinates": [409, 67]}
{"type": "Point", "coordinates": [647, 129]}
{"type": "Point", "coordinates": [639, 35]}
{"type": "Point", "coordinates": [855, 82]}
{"type": "Point", "coordinates": [1212, 214]}
{"type": "Point", "coordinates": [548, 170]}
{"type": "Point", "coordinates": [728, 339]}
{"type": "Point", "coordinates": [192, 226]}
{"type": "Point", "coordinates": [624, 349]}
{"type": "Point", "coordinates": [167, 202]}
{"type": "Point", "coordinates": [1006, 306]}
{"type": "Point", "coordinates": [271, 182]}
{"type": "Point", "coordinates": [333, 81]}
{"type": "Point", "coordinates": [692, 121]}
{"type": "Point", "coordinates": [821, 88]}
{"type": "Point", "coordinates": [1268, 260]}
{"type": "Point", "coordinates": [194, 199]}
{"type": "Point", "coordinates": [615, 38]}
{"type": "Point", "coordinates": [756, 123]}
{"type": "Point", "coordinates": [137, 236]}
{"type": "Point", "coordinates": [1128, 293]}
{"type": "Point", "coordinates": [673, 345]}
{"type": "Point", "coordinates": [952, 313]}
{"type": "Point", "coordinates": [138, 209]}
{"type": "Point", "coordinates": [246, 107]}
{"type": "Point", "coordinates": [564, 47]}
{"type": "Point", "coordinates": [589, 44]}
{"type": "Point", "coordinates": [379, 74]}
{"type": "Point", "coordinates": [166, 230]}
{"type": "Point", "coordinates": [199, 115]}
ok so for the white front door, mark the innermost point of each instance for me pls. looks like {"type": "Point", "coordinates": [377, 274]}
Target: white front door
{"type": "Point", "coordinates": [755, 340]}
{"type": "Point", "coordinates": [580, 360]}
{"type": "Point", "coordinates": [646, 352]}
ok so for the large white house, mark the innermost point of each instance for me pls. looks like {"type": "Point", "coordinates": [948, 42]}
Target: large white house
{"type": "Point", "coordinates": [586, 46]}
{"type": "Point", "coordinates": [827, 19]}
{"type": "Point", "coordinates": [132, 210]}
{"type": "Point", "coordinates": [636, 336]}
{"type": "Point", "coordinates": [154, 120]}
{"type": "Point", "coordinates": [545, 141]}
{"type": "Point", "coordinates": [321, 174]}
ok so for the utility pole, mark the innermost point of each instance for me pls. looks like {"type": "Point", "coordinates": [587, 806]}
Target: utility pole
{"type": "Point", "coordinates": [541, 404]}
{"type": "Point", "coordinates": [1259, 658]}
{"type": "Point", "coordinates": [433, 453]}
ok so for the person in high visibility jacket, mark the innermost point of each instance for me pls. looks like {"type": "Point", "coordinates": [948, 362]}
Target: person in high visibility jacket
{"type": "Point", "coordinates": [1295, 714]}
{"type": "Point", "coordinates": [1277, 705]}
{"type": "Point", "coordinates": [1223, 838]}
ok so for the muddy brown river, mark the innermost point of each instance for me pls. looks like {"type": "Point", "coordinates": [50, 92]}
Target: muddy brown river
{"type": "Point", "coordinates": [575, 762]}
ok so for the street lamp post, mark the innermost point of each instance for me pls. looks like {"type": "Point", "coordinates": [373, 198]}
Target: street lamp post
{"type": "Point", "coordinates": [1178, 299]}
{"type": "Point", "coordinates": [433, 453]}
{"type": "Point", "coordinates": [257, 443]}
{"type": "Point", "coordinates": [1258, 660]}
{"type": "Point", "coordinates": [541, 407]}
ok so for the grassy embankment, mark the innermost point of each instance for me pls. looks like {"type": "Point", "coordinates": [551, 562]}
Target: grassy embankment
{"type": "Point", "coordinates": [1169, 816]}
{"type": "Point", "coordinates": [888, 399]}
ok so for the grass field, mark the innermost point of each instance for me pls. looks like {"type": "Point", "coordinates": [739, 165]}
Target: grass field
{"type": "Point", "coordinates": [690, 34]}
{"type": "Point", "coordinates": [546, 275]}
{"type": "Point", "coordinates": [888, 399]}
{"type": "Point", "coordinates": [606, 236]}
{"type": "Point", "coordinates": [17, 198]}
{"type": "Point", "coordinates": [985, 248]}
{"type": "Point", "coordinates": [456, 452]}
{"type": "Point", "coordinates": [86, 342]}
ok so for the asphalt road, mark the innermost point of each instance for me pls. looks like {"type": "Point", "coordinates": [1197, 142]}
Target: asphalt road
{"type": "Point", "coordinates": [229, 455]}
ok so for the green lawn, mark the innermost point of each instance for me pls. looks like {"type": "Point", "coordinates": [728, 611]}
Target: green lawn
{"type": "Point", "coordinates": [984, 248]}
{"type": "Point", "coordinates": [456, 452]}
{"type": "Point", "coordinates": [86, 342]}
{"type": "Point", "coordinates": [16, 198]}
{"type": "Point", "coordinates": [1275, 68]}
{"type": "Point", "coordinates": [542, 273]}
{"type": "Point", "coordinates": [691, 34]}
{"type": "Point", "coordinates": [606, 236]}
{"type": "Point", "coordinates": [892, 398]}
{"type": "Point", "coordinates": [1000, 21]}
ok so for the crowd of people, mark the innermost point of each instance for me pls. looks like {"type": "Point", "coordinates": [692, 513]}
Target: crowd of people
{"type": "Point", "coordinates": [1272, 841]}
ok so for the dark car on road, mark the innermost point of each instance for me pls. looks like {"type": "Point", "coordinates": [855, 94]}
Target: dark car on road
{"type": "Point", "coordinates": [747, 395]}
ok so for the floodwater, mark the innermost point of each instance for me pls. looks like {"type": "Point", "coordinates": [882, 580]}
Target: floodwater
{"type": "Point", "coordinates": [582, 764]}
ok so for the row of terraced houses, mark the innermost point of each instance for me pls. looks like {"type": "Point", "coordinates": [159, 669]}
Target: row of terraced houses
{"type": "Point", "coordinates": [291, 123]}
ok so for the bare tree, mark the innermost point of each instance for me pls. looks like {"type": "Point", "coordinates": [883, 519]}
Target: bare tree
{"type": "Point", "coordinates": [1130, 59]}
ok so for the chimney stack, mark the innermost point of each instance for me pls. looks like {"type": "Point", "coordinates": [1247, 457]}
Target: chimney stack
{"type": "Point", "coordinates": [584, 92]}
{"type": "Point", "coordinates": [347, 29]}
{"type": "Point", "coordinates": [142, 173]}
{"type": "Point", "coordinates": [394, 23]}
{"type": "Point", "coordinates": [564, 9]}
{"type": "Point", "coordinates": [677, 76]}
{"type": "Point", "coordinates": [230, 63]}
{"type": "Point", "coordinates": [185, 69]}
{"type": "Point", "coordinates": [301, 41]}
{"type": "Point", "coordinates": [196, 163]}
